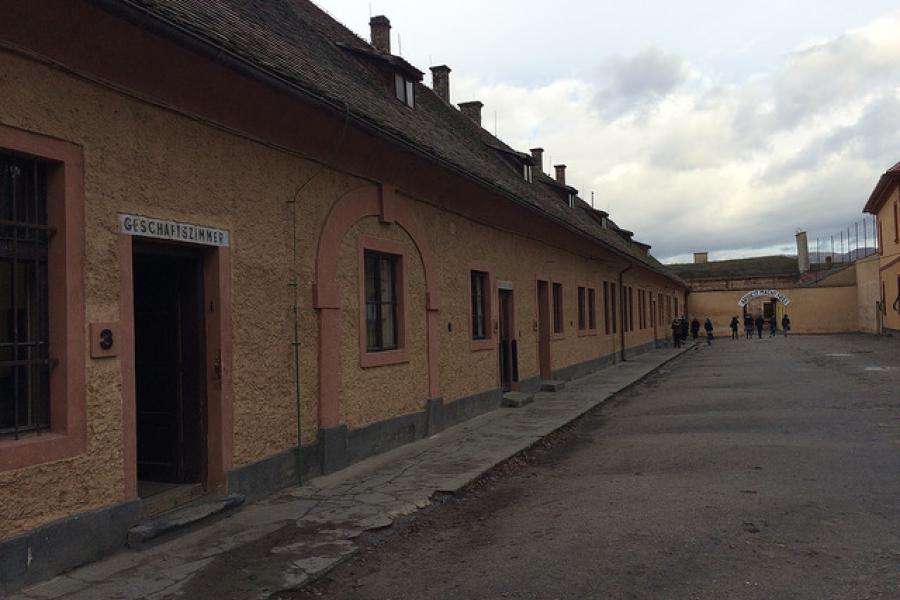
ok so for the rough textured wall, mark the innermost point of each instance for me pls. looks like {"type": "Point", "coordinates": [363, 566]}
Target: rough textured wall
{"type": "Point", "coordinates": [812, 310]}
{"type": "Point", "coordinates": [187, 171]}
{"type": "Point", "coordinates": [868, 292]}
{"type": "Point", "coordinates": [890, 260]}
{"type": "Point", "coordinates": [378, 393]}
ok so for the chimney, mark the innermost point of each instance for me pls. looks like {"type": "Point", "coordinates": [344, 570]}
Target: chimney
{"type": "Point", "coordinates": [802, 252]}
{"type": "Point", "coordinates": [380, 27]}
{"type": "Point", "coordinates": [701, 257]}
{"type": "Point", "coordinates": [440, 82]}
{"type": "Point", "coordinates": [472, 110]}
{"type": "Point", "coordinates": [560, 174]}
{"type": "Point", "coordinates": [537, 154]}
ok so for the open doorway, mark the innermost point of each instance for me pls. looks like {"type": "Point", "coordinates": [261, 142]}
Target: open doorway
{"type": "Point", "coordinates": [170, 378]}
{"type": "Point", "coordinates": [509, 361]}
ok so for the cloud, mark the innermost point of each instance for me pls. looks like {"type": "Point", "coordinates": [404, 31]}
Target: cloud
{"type": "Point", "coordinates": [637, 82]}
{"type": "Point", "coordinates": [690, 162]}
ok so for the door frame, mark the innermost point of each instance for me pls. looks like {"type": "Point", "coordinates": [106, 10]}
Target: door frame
{"type": "Point", "coordinates": [510, 319]}
{"type": "Point", "coordinates": [215, 262]}
{"type": "Point", "coordinates": [542, 318]}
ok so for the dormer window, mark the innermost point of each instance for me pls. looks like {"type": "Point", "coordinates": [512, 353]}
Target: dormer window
{"type": "Point", "coordinates": [527, 172]}
{"type": "Point", "coordinates": [404, 89]}
{"type": "Point", "coordinates": [604, 223]}
{"type": "Point", "coordinates": [571, 200]}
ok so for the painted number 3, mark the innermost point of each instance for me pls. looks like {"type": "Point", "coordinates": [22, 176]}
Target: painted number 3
{"type": "Point", "coordinates": [106, 339]}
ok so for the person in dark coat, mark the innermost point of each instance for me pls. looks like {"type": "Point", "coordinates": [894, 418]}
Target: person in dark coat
{"type": "Point", "coordinates": [734, 328]}
{"type": "Point", "coordinates": [748, 326]}
{"type": "Point", "coordinates": [684, 328]}
{"type": "Point", "coordinates": [773, 326]}
{"type": "Point", "coordinates": [785, 324]}
{"type": "Point", "coordinates": [708, 326]}
{"type": "Point", "coordinates": [695, 328]}
{"type": "Point", "coordinates": [759, 326]}
{"type": "Point", "coordinates": [676, 332]}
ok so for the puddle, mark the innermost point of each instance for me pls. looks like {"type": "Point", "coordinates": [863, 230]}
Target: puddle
{"type": "Point", "coordinates": [881, 368]}
{"type": "Point", "coordinates": [839, 354]}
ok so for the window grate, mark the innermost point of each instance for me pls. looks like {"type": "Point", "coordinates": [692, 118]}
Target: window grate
{"type": "Point", "coordinates": [24, 331]}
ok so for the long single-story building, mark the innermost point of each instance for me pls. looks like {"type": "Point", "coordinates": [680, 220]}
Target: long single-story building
{"type": "Point", "coordinates": [242, 246]}
{"type": "Point", "coordinates": [882, 271]}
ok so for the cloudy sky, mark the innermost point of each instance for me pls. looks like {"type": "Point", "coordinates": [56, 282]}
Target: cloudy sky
{"type": "Point", "coordinates": [698, 125]}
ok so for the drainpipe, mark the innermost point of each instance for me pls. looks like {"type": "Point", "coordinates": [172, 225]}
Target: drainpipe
{"type": "Point", "coordinates": [622, 298]}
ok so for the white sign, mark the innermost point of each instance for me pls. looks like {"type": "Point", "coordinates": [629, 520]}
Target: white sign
{"type": "Point", "coordinates": [172, 230]}
{"type": "Point", "coordinates": [769, 293]}
{"type": "Point", "coordinates": [503, 284]}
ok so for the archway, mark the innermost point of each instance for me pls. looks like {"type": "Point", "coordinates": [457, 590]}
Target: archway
{"type": "Point", "coordinates": [383, 202]}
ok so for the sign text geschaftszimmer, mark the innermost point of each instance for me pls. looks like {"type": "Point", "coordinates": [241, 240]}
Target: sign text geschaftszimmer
{"type": "Point", "coordinates": [173, 230]}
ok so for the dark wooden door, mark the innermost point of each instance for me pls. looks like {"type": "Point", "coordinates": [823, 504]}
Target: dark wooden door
{"type": "Point", "coordinates": [543, 300]}
{"type": "Point", "coordinates": [509, 368]}
{"type": "Point", "coordinates": [169, 371]}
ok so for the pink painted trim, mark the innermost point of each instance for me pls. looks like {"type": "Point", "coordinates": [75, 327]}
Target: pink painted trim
{"type": "Point", "coordinates": [126, 363]}
{"type": "Point", "coordinates": [369, 359]}
{"type": "Point", "coordinates": [490, 323]}
{"type": "Point", "coordinates": [219, 391]}
{"type": "Point", "coordinates": [374, 200]}
{"type": "Point", "coordinates": [65, 208]}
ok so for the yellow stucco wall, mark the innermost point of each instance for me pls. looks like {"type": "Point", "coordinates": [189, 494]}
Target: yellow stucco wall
{"type": "Point", "coordinates": [812, 309]}
{"type": "Point", "coordinates": [868, 293]}
{"type": "Point", "coordinates": [889, 264]}
{"type": "Point", "coordinates": [146, 160]}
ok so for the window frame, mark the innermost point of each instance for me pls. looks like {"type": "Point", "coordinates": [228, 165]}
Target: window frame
{"type": "Point", "coordinates": [581, 306]}
{"type": "Point", "coordinates": [592, 310]}
{"type": "Point", "coordinates": [557, 310]}
{"type": "Point", "coordinates": [487, 342]}
{"type": "Point", "coordinates": [606, 327]}
{"type": "Point", "coordinates": [400, 354]}
{"type": "Point", "coordinates": [67, 436]}
{"type": "Point", "coordinates": [404, 90]}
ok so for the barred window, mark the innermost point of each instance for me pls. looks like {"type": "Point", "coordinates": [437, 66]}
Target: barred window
{"type": "Point", "coordinates": [479, 305]}
{"type": "Point", "coordinates": [381, 301]}
{"type": "Point", "coordinates": [24, 332]}
{"type": "Point", "coordinates": [581, 312]}
{"type": "Point", "coordinates": [592, 309]}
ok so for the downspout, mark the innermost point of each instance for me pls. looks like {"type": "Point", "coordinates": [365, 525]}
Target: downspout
{"type": "Point", "coordinates": [622, 297]}
{"type": "Point", "coordinates": [295, 284]}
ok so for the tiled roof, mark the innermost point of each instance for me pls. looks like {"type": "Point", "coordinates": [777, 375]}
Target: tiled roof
{"type": "Point", "coordinates": [758, 266]}
{"type": "Point", "coordinates": [883, 189]}
{"type": "Point", "coordinates": [298, 42]}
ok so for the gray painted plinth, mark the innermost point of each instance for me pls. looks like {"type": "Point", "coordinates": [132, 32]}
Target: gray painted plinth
{"type": "Point", "coordinates": [174, 520]}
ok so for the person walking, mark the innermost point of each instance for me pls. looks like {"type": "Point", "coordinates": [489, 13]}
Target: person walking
{"type": "Point", "coordinates": [748, 326]}
{"type": "Point", "coordinates": [785, 324]}
{"type": "Point", "coordinates": [734, 327]}
{"type": "Point", "coordinates": [708, 326]}
{"type": "Point", "coordinates": [676, 332]}
{"type": "Point", "coordinates": [759, 326]}
{"type": "Point", "coordinates": [684, 328]}
{"type": "Point", "coordinates": [695, 328]}
{"type": "Point", "coordinates": [773, 326]}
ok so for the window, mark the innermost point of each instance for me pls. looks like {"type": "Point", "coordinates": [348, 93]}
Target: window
{"type": "Point", "coordinates": [676, 307]}
{"type": "Point", "coordinates": [606, 327]}
{"type": "Point", "coordinates": [612, 306]}
{"type": "Point", "coordinates": [582, 320]}
{"type": "Point", "coordinates": [405, 90]}
{"type": "Point", "coordinates": [896, 224]}
{"type": "Point", "coordinates": [24, 331]}
{"type": "Point", "coordinates": [592, 309]}
{"type": "Point", "coordinates": [381, 301]}
{"type": "Point", "coordinates": [479, 302]}
{"type": "Point", "coordinates": [630, 309]}
{"type": "Point", "coordinates": [528, 172]}
{"type": "Point", "coordinates": [640, 309]}
{"type": "Point", "coordinates": [571, 200]}
{"type": "Point", "coordinates": [557, 308]}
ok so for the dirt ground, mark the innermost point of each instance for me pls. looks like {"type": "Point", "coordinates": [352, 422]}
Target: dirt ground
{"type": "Point", "coordinates": [751, 469]}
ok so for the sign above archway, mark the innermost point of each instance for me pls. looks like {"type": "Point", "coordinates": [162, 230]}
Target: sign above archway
{"type": "Point", "coordinates": [758, 293]}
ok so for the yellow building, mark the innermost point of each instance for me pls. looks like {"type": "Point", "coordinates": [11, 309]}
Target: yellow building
{"type": "Point", "coordinates": [884, 203]}
{"type": "Point", "coordinates": [240, 246]}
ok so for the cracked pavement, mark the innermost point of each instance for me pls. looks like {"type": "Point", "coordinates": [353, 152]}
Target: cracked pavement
{"type": "Point", "coordinates": [286, 540]}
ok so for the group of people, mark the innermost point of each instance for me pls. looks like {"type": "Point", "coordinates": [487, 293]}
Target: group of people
{"type": "Point", "coordinates": [759, 323]}
{"type": "Point", "coordinates": [680, 328]}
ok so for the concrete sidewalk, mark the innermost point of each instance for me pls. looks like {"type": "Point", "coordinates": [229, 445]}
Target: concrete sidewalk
{"type": "Point", "coordinates": [291, 537]}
